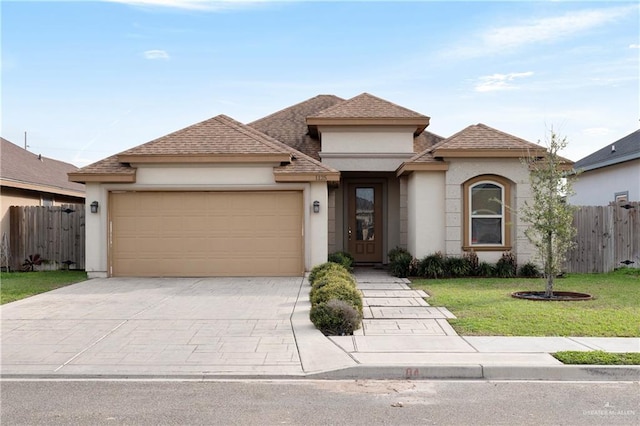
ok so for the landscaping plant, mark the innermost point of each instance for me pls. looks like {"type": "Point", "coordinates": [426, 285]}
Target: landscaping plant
{"type": "Point", "coordinates": [550, 218]}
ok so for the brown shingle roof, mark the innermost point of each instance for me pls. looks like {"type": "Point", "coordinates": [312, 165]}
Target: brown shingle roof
{"type": "Point", "coordinates": [482, 137]}
{"type": "Point", "coordinates": [366, 105]}
{"type": "Point", "coordinates": [289, 125]}
{"type": "Point", "coordinates": [21, 166]}
{"type": "Point", "coordinates": [218, 137]}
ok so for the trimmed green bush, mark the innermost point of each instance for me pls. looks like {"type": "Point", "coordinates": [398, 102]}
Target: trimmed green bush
{"type": "Point", "coordinates": [457, 267]}
{"type": "Point", "coordinates": [335, 318]}
{"type": "Point", "coordinates": [401, 263]}
{"type": "Point", "coordinates": [506, 266]}
{"type": "Point", "coordinates": [338, 290]}
{"type": "Point", "coordinates": [333, 273]}
{"type": "Point", "coordinates": [330, 278]}
{"type": "Point", "coordinates": [431, 266]}
{"type": "Point", "coordinates": [317, 270]}
{"type": "Point", "coordinates": [342, 258]}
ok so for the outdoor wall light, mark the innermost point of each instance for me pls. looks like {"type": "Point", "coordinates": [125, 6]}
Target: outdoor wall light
{"type": "Point", "coordinates": [94, 207]}
{"type": "Point", "coordinates": [316, 206]}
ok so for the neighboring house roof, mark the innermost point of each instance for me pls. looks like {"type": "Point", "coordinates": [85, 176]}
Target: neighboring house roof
{"type": "Point", "coordinates": [625, 149]}
{"type": "Point", "coordinates": [22, 169]}
{"type": "Point", "coordinates": [289, 125]}
{"type": "Point", "coordinates": [368, 109]}
{"type": "Point", "coordinates": [217, 140]}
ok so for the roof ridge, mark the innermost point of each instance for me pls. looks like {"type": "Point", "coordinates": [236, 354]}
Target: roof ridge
{"type": "Point", "coordinates": [292, 107]}
{"type": "Point", "coordinates": [246, 129]}
{"type": "Point", "coordinates": [369, 95]}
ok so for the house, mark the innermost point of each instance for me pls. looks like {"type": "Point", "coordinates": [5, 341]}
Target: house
{"type": "Point", "coordinates": [275, 196]}
{"type": "Point", "coordinates": [28, 179]}
{"type": "Point", "coordinates": [609, 174]}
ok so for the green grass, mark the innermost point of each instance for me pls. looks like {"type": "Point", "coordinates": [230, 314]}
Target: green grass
{"type": "Point", "coordinates": [598, 358]}
{"type": "Point", "coordinates": [18, 285]}
{"type": "Point", "coordinates": [484, 306]}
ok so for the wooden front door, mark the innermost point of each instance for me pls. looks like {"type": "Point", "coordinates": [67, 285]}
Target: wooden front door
{"type": "Point", "coordinates": [364, 230]}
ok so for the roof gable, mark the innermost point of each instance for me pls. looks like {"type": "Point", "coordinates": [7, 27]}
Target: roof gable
{"type": "Point", "coordinates": [217, 140]}
{"type": "Point", "coordinates": [366, 109]}
{"type": "Point", "coordinates": [480, 140]}
{"type": "Point", "coordinates": [19, 167]}
{"type": "Point", "coordinates": [625, 149]}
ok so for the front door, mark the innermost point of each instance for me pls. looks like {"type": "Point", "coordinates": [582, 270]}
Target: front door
{"type": "Point", "coordinates": [365, 222]}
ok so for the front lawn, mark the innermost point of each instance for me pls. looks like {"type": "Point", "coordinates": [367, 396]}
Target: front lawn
{"type": "Point", "coordinates": [598, 358]}
{"type": "Point", "coordinates": [18, 285]}
{"type": "Point", "coordinates": [484, 306]}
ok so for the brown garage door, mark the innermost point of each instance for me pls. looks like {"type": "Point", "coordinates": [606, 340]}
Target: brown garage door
{"type": "Point", "coordinates": [180, 234]}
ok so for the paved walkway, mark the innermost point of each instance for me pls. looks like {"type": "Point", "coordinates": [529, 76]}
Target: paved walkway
{"type": "Point", "coordinates": [259, 327]}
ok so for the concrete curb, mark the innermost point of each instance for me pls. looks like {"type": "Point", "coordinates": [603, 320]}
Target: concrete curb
{"type": "Point", "coordinates": [593, 373]}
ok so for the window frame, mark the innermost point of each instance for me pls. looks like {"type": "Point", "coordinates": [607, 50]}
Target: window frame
{"type": "Point", "coordinates": [505, 185]}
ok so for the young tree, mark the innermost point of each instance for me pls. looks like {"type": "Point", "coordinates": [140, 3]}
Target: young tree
{"type": "Point", "coordinates": [551, 228]}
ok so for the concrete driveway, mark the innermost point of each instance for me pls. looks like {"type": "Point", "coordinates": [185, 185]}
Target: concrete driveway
{"type": "Point", "coordinates": [133, 326]}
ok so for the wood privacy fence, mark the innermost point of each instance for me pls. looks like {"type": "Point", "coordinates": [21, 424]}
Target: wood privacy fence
{"type": "Point", "coordinates": [608, 237]}
{"type": "Point", "coordinates": [56, 233]}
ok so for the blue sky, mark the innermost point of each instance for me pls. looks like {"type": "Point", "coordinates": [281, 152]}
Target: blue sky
{"type": "Point", "coordinates": [89, 79]}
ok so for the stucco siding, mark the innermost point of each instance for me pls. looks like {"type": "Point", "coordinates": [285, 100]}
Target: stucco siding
{"type": "Point", "coordinates": [598, 187]}
{"type": "Point", "coordinates": [461, 170]}
{"type": "Point", "coordinates": [202, 178]}
{"type": "Point", "coordinates": [426, 213]}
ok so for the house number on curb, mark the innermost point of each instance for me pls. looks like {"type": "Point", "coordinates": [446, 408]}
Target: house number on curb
{"type": "Point", "coordinates": [412, 372]}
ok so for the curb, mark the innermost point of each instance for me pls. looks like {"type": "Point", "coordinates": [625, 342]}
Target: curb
{"type": "Point", "coordinates": [594, 373]}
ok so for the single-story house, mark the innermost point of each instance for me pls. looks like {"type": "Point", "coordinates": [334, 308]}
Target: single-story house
{"type": "Point", "coordinates": [275, 196]}
{"type": "Point", "coordinates": [611, 174]}
{"type": "Point", "coordinates": [28, 179]}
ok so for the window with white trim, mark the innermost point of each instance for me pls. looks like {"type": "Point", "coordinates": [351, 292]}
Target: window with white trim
{"type": "Point", "coordinates": [486, 214]}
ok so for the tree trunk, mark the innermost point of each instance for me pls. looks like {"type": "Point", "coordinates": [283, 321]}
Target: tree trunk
{"type": "Point", "coordinates": [548, 293]}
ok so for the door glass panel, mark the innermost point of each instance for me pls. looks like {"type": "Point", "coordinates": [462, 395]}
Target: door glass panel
{"type": "Point", "coordinates": [365, 229]}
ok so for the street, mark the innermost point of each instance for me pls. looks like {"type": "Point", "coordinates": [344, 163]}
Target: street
{"type": "Point", "coordinates": [361, 402]}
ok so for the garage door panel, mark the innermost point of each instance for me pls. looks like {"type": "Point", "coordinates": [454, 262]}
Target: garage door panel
{"type": "Point", "coordinates": [207, 233]}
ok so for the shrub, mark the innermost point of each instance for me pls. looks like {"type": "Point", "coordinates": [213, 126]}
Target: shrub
{"type": "Point", "coordinates": [331, 274]}
{"type": "Point", "coordinates": [338, 290]}
{"type": "Point", "coordinates": [395, 252]}
{"type": "Point", "coordinates": [473, 261]}
{"type": "Point", "coordinates": [529, 270]}
{"type": "Point", "coordinates": [401, 265]}
{"type": "Point", "coordinates": [335, 318]}
{"type": "Point", "coordinates": [431, 266]}
{"type": "Point", "coordinates": [485, 270]}
{"type": "Point", "coordinates": [320, 269]}
{"type": "Point", "coordinates": [506, 266]}
{"type": "Point", "coordinates": [456, 267]}
{"type": "Point", "coordinates": [342, 258]}
{"type": "Point", "coordinates": [330, 278]}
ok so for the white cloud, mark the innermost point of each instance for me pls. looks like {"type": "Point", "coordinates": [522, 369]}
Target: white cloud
{"type": "Point", "coordinates": [547, 29]}
{"type": "Point", "coordinates": [634, 46]}
{"type": "Point", "coordinates": [204, 5]}
{"type": "Point", "coordinates": [156, 54]}
{"type": "Point", "coordinates": [495, 82]}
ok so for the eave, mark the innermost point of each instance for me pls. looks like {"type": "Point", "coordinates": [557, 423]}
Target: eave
{"type": "Point", "coordinates": [204, 158]}
{"type": "Point", "coordinates": [41, 188]}
{"type": "Point", "coordinates": [420, 123]}
{"type": "Point", "coordinates": [407, 168]}
{"type": "Point", "coordinates": [103, 177]}
{"type": "Point", "coordinates": [488, 153]}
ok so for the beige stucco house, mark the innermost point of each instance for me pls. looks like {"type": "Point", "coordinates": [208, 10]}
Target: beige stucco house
{"type": "Point", "coordinates": [275, 196]}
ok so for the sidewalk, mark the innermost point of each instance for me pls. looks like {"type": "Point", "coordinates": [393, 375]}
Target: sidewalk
{"type": "Point", "coordinates": [402, 336]}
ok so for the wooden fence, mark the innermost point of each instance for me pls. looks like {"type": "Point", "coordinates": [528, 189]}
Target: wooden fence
{"type": "Point", "coordinates": [608, 237]}
{"type": "Point", "coordinates": [56, 233]}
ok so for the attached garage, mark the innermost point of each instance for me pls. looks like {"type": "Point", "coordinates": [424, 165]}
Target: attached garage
{"type": "Point", "coordinates": [186, 234]}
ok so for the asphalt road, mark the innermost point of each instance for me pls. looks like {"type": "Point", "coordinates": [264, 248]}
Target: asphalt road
{"type": "Point", "coordinates": [318, 403]}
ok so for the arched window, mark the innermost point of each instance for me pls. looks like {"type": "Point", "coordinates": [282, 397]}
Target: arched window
{"type": "Point", "coordinates": [486, 214]}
